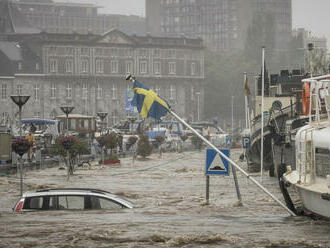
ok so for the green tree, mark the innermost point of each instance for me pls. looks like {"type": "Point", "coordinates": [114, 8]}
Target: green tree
{"type": "Point", "coordinates": [144, 146]}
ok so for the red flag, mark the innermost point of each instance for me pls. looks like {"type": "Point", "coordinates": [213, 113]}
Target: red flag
{"type": "Point", "coordinates": [247, 89]}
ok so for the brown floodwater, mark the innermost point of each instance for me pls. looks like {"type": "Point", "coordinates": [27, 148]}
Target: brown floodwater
{"type": "Point", "coordinates": [168, 194]}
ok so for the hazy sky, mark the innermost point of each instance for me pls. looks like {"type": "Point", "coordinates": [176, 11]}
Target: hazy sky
{"type": "Point", "coordinates": [312, 15]}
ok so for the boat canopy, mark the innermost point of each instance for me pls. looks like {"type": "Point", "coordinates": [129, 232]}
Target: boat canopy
{"type": "Point", "coordinates": [38, 121]}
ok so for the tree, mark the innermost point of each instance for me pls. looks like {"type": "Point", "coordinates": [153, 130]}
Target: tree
{"type": "Point", "coordinates": [144, 146]}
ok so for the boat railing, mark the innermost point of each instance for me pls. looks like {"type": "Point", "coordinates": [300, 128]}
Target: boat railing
{"type": "Point", "coordinates": [256, 122]}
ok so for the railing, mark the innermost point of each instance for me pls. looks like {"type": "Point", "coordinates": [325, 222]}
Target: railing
{"type": "Point", "coordinates": [256, 122]}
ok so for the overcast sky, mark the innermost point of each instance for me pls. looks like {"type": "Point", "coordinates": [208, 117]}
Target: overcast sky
{"type": "Point", "coordinates": [312, 15]}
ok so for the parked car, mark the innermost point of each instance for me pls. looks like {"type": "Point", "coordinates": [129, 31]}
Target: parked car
{"type": "Point", "coordinates": [69, 199]}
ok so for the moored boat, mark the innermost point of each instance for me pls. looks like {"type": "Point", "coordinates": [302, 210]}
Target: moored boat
{"type": "Point", "coordinates": [311, 176]}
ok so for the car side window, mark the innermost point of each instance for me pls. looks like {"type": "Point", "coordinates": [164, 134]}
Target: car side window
{"type": "Point", "coordinates": [71, 202]}
{"type": "Point", "coordinates": [33, 203]}
{"type": "Point", "coordinates": [108, 204]}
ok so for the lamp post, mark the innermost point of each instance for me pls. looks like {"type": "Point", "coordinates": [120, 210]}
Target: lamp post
{"type": "Point", "coordinates": [67, 110]}
{"type": "Point", "coordinates": [198, 95]}
{"type": "Point", "coordinates": [102, 116]}
{"type": "Point", "coordinates": [20, 101]}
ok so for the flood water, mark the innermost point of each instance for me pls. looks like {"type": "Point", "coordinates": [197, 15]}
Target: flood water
{"type": "Point", "coordinates": [169, 209]}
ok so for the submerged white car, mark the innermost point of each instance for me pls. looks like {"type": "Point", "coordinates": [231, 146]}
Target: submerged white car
{"type": "Point", "coordinates": [70, 199]}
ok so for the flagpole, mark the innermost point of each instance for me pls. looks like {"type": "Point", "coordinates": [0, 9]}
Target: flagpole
{"type": "Point", "coordinates": [231, 162]}
{"type": "Point", "coordinates": [262, 112]}
{"type": "Point", "coordinates": [129, 77]}
{"type": "Point", "coordinates": [246, 102]}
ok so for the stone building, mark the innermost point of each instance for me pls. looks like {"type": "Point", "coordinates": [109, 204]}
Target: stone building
{"type": "Point", "coordinates": [88, 71]}
{"type": "Point", "coordinates": [222, 24]}
{"type": "Point", "coordinates": [66, 17]}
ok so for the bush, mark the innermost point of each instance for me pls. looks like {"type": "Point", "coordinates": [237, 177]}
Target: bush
{"type": "Point", "coordinates": [109, 141]}
{"type": "Point", "coordinates": [111, 157]}
{"type": "Point", "coordinates": [131, 141]}
{"type": "Point", "coordinates": [144, 146]}
{"type": "Point", "coordinates": [197, 142]}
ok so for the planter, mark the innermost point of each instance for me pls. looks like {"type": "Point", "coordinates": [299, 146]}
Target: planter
{"type": "Point", "coordinates": [116, 161]}
{"type": "Point", "coordinates": [21, 146]}
{"type": "Point", "coordinates": [67, 142]}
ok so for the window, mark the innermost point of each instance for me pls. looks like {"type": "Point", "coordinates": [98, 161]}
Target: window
{"type": "Point", "coordinates": [172, 92]}
{"type": "Point", "coordinates": [193, 69]}
{"type": "Point", "coordinates": [99, 66]}
{"type": "Point", "coordinates": [157, 53]}
{"type": "Point", "coordinates": [84, 90]}
{"type": "Point", "coordinates": [19, 89]}
{"type": "Point", "coordinates": [143, 67]}
{"type": "Point", "coordinates": [129, 67]}
{"type": "Point", "coordinates": [37, 67]}
{"type": "Point", "coordinates": [114, 66]}
{"type": "Point", "coordinates": [114, 92]}
{"type": "Point", "coordinates": [157, 68]}
{"type": "Point", "coordinates": [114, 117]}
{"type": "Point", "coordinates": [108, 204]}
{"type": "Point", "coordinates": [36, 92]}
{"type": "Point", "coordinates": [33, 203]}
{"type": "Point", "coordinates": [99, 92]}
{"type": "Point", "coordinates": [53, 91]}
{"type": "Point", "coordinates": [172, 67]}
{"type": "Point", "coordinates": [84, 65]}
{"type": "Point", "coordinates": [192, 93]}
{"type": "Point", "coordinates": [69, 65]}
{"type": "Point", "coordinates": [71, 202]}
{"type": "Point", "coordinates": [53, 65]}
{"type": "Point", "coordinates": [19, 66]}
{"type": "Point", "coordinates": [69, 91]}
{"type": "Point", "coordinates": [3, 91]}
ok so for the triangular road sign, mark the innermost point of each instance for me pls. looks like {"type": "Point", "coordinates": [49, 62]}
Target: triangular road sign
{"type": "Point", "coordinates": [216, 164]}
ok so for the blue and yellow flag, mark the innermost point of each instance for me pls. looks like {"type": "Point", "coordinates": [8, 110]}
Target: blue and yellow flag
{"type": "Point", "coordinates": [148, 103]}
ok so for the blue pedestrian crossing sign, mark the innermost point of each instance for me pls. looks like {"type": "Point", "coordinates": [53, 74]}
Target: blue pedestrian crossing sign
{"type": "Point", "coordinates": [216, 164]}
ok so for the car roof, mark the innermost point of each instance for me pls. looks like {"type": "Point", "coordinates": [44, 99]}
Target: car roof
{"type": "Point", "coordinates": [78, 191]}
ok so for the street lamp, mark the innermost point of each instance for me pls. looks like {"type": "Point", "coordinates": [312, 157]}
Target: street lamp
{"type": "Point", "coordinates": [67, 110]}
{"type": "Point", "coordinates": [102, 116]}
{"type": "Point", "coordinates": [198, 94]}
{"type": "Point", "coordinates": [20, 101]}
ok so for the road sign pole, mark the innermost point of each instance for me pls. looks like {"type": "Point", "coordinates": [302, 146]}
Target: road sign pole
{"type": "Point", "coordinates": [232, 163]}
{"type": "Point", "coordinates": [238, 192]}
{"type": "Point", "coordinates": [207, 189]}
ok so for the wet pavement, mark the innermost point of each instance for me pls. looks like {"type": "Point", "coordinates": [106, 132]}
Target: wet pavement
{"type": "Point", "coordinates": [168, 194]}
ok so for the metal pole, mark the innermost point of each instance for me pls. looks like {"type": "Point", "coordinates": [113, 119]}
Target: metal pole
{"type": "Point", "coordinates": [232, 116]}
{"type": "Point", "coordinates": [207, 189]}
{"type": "Point", "coordinates": [21, 160]}
{"type": "Point", "coordinates": [246, 103]}
{"type": "Point", "coordinates": [198, 93]}
{"type": "Point", "coordinates": [262, 113]}
{"type": "Point", "coordinates": [239, 197]}
{"type": "Point", "coordinates": [232, 163]}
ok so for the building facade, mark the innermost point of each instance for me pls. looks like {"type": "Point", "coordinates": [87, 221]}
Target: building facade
{"type": "Point", "coordinates": [65, 17]}
{"type": "Point", "coordinates": [222, 24]}
{"type": "Point", "coordinates": [88, 72]}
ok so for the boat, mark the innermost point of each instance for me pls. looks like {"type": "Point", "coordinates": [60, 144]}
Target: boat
{"type": "Point", "coordinates": [283, 115]}
{"type": "Point", "coordinates": [311, 176]}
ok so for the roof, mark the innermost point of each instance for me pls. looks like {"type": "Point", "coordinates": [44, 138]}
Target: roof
{"type": "Point", "coordinates": [11, 49]}
{"type": "Point", "coordinates": [20, 23]}
{"type": "Point", "coordinates": [38, 121]}
{"type": "Point", "coordinates": [75, 116]}
{"type": "Point", "coordinates": [79, 191]}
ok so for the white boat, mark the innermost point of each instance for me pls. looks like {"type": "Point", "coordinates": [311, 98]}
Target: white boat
{"type": "Point", "coordinates": [311, 177]}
